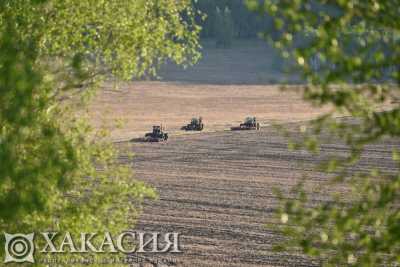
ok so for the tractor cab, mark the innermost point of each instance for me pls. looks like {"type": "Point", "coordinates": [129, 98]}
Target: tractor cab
{"type": "Point", "coordinates": [196, 124]}
{"type": "Point", "coordinates": [157, 130]}
{"type": "Point", "coordinates": [157, 134]}
{"type": "Point", "coordinates": [250, 123]}
{"type": "Point", "coordinates": [194, 121]}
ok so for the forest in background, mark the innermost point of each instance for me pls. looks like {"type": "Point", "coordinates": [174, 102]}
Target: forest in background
{"type": "Point", "coordinates": [232, 16]}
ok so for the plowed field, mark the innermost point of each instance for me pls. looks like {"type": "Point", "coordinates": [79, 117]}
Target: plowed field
{"type": "Point", "coordinates": [216, 189]}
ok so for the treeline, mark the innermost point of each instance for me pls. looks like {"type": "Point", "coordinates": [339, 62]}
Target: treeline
{"type": "Point", "coordinates": [229, 17]}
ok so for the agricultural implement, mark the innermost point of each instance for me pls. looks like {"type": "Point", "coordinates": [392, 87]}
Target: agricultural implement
{"type": "Point", "coordinates": [196, 124]}
{"type": "Point", "coordinates": [250, 123]}
{"type": "Point", "coordinates": [158, 135]}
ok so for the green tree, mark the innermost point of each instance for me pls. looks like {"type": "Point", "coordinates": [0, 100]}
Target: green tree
{"type": "Point", "coordinates": [246, 25]}
{"type": "Point", "coordinates": [55, 172]}
{"type": "Point", "coordinates": [223, 28]}
{"type": "Point", "coordinates": [357, 47]}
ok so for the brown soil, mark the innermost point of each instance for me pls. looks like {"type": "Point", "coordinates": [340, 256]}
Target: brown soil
{"type": "Point", "coordinates": [143, 104]}
{"type": "Point", "coordinates": [216, 189]}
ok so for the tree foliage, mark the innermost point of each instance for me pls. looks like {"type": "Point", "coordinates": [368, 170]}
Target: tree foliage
{"type": "Point", "coordinates": [245, 24]}
{"type": "Point", "coordinates": [56, 173]}
{"type": "Point", "coordinates": [224, 28]}
{"type": "Point", "coordinates": [356, 45]}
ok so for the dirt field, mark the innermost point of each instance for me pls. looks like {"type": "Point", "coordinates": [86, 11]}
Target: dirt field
{"type": "Point", "coordinates": [216, 187]}
{"type": "Point", "coordinates": [143, 104]}
{"type": "Point", "coordinates": [224, 87]}
{"type": "Point", "coordinates": [216, 190]}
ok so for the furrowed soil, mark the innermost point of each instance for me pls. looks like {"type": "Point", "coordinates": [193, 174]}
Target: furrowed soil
{"type": "Point", "coordinates": [216, 189]}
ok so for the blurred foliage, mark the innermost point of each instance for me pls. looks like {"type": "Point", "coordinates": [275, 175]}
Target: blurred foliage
{"type": "Point", "coordinates": [245, 24]}
{"type": "Point", "coordinates": [349, 53]}
{"type": "Point", "coordinates": [56, 173]}
{"type": "Point", "coordinates": [223, 28]}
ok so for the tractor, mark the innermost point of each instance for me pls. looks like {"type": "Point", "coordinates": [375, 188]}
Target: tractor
{"type": "Point", "coordinates": [157, 135]}
{"type": "Point", "coordinates": [195, 125]}
{"type": "Point", "coordinates": [250, 123]}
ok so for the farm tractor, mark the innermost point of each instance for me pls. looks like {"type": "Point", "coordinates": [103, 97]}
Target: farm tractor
{"type": "Point", "coordinates": [250, 123]}
{"type": "Point", "coordinates": [157, 135]}
{"type": "Point", "coordinates": [195, 125]}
